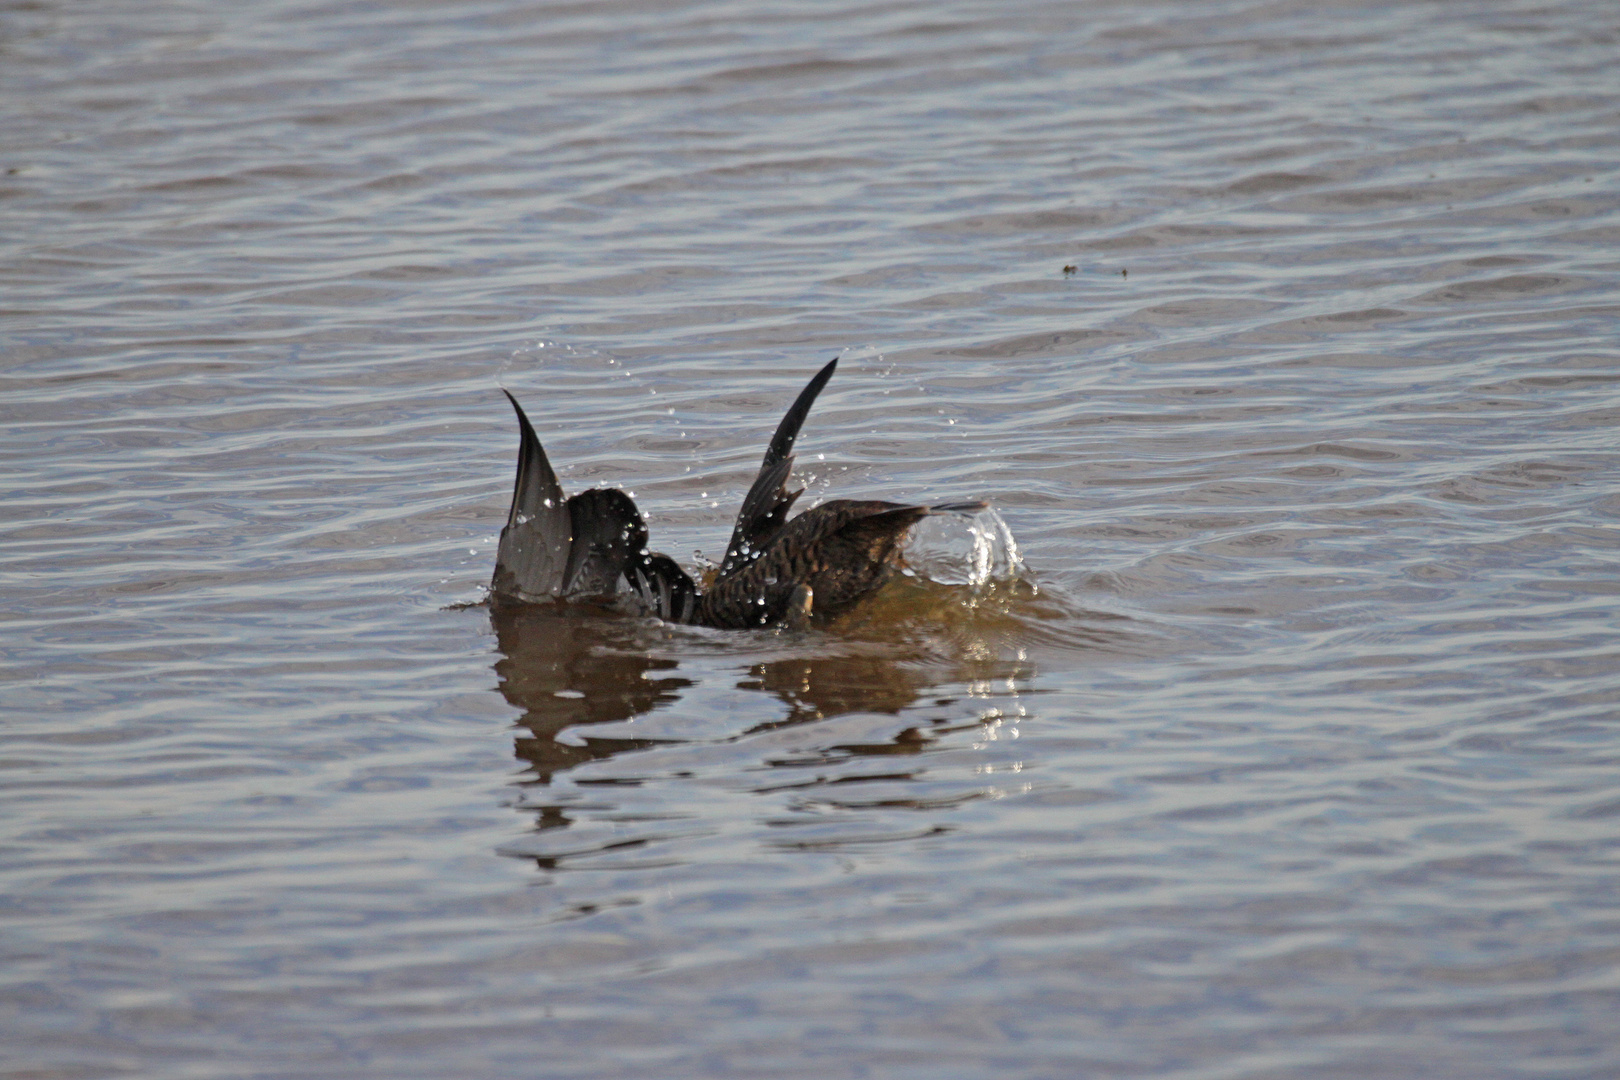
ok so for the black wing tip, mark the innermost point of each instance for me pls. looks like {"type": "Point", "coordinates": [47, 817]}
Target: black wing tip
{"type": "Point", "coordinates": [523, 418]}
{"type": "Point", "coordinates": [819, 379]}
{"type": "Point", "coordinates": [787, 431]}
{"type": "Point", "coordinates": [966, 509]}
{"type": "Point", "coordinates": [536, 484]}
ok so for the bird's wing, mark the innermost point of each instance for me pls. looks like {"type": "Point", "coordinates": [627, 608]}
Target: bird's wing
{"type": "Point", "coordinates": [553, 546]}
{"type": "Point", "coordinates": [766, 505]}
{"type": "Point", "coordinates": [533, 554]}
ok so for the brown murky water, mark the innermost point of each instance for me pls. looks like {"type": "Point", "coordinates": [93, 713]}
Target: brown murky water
{"type": "Point", "coordinates": [1294, 755]}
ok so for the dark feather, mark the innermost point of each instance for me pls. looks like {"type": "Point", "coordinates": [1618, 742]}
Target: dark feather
{"type": "Point", "coordinates": [551, 546]}
{"type": "Point", "coordinates": [965, 509]}
{"type": "Point", "coordinates": [607, 532]}
{"type": "Point", "coordinates": [765, 507]}
{"type": "Point", "coordinates": [533, 553]}
{"type": "Point", "coordinates": [665, 589]}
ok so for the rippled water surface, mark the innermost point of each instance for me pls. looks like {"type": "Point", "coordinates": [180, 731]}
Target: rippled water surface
{"type": "Point", "coordinates": [1282, 335]}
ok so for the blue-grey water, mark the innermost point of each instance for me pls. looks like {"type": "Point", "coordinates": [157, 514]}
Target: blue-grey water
{"type": "Point", "coordinates": [1284, 336]}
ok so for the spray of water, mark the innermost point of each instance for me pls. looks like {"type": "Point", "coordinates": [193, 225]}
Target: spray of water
{"type": "Point", "coordinates": [976, 550]}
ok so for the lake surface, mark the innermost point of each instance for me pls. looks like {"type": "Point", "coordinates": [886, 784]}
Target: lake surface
{"type": "Point", "coordinates": [1284, 336]}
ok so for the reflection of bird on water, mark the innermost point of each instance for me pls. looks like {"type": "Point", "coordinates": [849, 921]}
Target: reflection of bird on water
{"type": "Point", "coordinates": [578, 671]}
{"type": "Point", "coordinates": [774, 570]}
{"type": "Point", "coordinates": [571, 671]}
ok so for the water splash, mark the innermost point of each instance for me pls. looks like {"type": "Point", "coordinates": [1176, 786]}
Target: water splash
{"type": "Point", "coordinates": [975, 549]}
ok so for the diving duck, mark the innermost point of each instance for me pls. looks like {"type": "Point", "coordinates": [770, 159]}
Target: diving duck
{"type": "Point", "coordinates": [775, 571]}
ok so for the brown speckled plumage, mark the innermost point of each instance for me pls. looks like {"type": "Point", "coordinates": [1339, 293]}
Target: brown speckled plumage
{"type": "Point", "coordinates": [842, 550]}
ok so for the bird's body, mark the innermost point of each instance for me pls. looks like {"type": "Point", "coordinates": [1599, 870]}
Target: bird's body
{"type": "Point", "coordinates": [775, 571]}
{"type": "Point", "coordinates": [841, 551]}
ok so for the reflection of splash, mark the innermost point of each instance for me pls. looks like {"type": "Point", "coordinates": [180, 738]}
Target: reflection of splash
{"type": "Point", "coordinates": [814, 688]}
